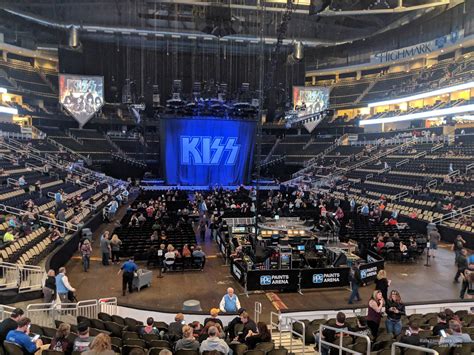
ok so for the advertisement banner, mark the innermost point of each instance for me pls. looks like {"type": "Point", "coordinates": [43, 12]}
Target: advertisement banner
{"type": "Point", "coordinates": [81, 95]}
{"type": "Point", "coordinates": [419, 49]}
{"type": "Point", "coordinates": [207, 151]}
{"type": "Point", "coordinates": [238, 272]}
{"type": "Point", "coordinates": [375, 263]}
{"type": "Point", "coordinates": [325, 278]}
{"type": "Point", "coordinates": [280, 280]}
{"type": "Point", "coordinates": [310, 99]}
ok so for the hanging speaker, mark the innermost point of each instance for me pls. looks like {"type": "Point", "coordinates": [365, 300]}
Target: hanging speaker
{"type": "Point", "coordinates": [298, 51]}
{"type": "Point", "coordinates": [73, 39]}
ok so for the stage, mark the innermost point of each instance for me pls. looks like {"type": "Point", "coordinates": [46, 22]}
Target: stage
{"type": "Point", "coordinates": [415, 282]}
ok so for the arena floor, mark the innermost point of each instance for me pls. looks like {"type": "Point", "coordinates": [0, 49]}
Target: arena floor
{"type": "Point", "coordinates": [416, 283]}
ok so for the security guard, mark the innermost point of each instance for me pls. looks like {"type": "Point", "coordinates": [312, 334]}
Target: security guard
{"type": "Point", "coordinates": [128, 269]}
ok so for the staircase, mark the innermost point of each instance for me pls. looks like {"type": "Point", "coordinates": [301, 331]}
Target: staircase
{"type": "Point", "coordinates": [294, 346]}
{"type": "Point", "coordinates": [365, 92]}
{"type": "Point", "coordinates": [270, 153]}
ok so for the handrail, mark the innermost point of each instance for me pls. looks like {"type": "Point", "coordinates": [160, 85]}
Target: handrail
{"type": "Point", "coordinates": [413, 347]}
{"type": "Point", "coordinates": [454, 173]}
{"type": "Point", "coordinates": [436, 147]}
{"type": "Point", "coordinates": [419, 155]}
{"type": "Point", "coordinates": [12, 181]}
{"type": "Point", "coordinates": [469, 167]}
{"type": "Point", "coordinates": [257, 311]}
{"type": "Point", "coordinates": [340, 346]}
{"type": "Point", "coordinates": [295, 333]}
{"type": "Point", "coordinates": [369, 176]}
{"type": "Point", "coordinates": [401, 162]}
{"type": "Point", "coordinates": [276, 325]}
{"type": "Point", "coordinates": [400, 195]}
{"type": "Point", "coordinates": [432, 183]}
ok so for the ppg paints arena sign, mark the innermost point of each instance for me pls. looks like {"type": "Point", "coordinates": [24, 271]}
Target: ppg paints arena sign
{"type": "Point", "coordinates": [419, 49]}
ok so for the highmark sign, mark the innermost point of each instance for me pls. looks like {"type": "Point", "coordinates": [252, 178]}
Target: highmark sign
{"type": "Point", "coordinates": [419, 49]}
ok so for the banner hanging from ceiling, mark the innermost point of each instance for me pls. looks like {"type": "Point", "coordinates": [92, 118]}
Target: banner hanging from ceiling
{"type": "Point", "coordinates": [81, 95]}
{"type": "Point", "coordinates": [310, 99]}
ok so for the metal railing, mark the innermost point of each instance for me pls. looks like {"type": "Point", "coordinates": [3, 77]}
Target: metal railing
{"type": "Point", "coordinates": [436, 147]}
{"type": "Point", "coordinates": [469, 167]}
{"type": "Point", "coordinates": [30, 278]}
{"type": "Point", "coordinates": [401, 162]}
{"type": "Point", "coordinates": [8, 276]}
{"type": "Point", "coordinates": [432, 183]}
{"type": "Point", "coordinates": [25, 278]}
{"type": "Point", "coordinates": [454, 173]}
{"type": "Point", "coordinates": [413, 347]}
{"type": "Point", "coordinates": [276, 324]}
{"type": "Point", "coordinates": [295, 334]}
{"type": "Point", "coordinates": [5, 312]}
{"type": "Point", "coordinates": [401, 195]}
{"type": "Point", "coordinates": [342, 349]}
{"type": "Point", "coordinates": [44, 314]}
{"type": "Point", "coordinates": [257, 311]}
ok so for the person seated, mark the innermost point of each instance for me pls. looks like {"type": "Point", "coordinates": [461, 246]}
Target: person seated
{"type": "Point", "coordinates": [214, 343]}
{"type": "Point", "coordinates": [249, 325]}
{"type": "Point", "coordinates": [61, 340]}
{"type": "Point", "coordinates": [150, 328]}
{"type": "Point", "coordinates": [141, 219]}
{"type": "Point", "coordinates": [199, 255]}
{"type": "Point", "coordinates": [83, 340]}
{"type": "Point", "coordinates": [20, 336]}
{"type": "Point", "coordinates": [404, 251]}
{"type": "Point", "coordinates": [187, 342]}
{"type": "Point", "coordinates": [101, 345]}
{"type": "Point", "coordinates": [9, 236]}
{"type": "Point", "coordinates": [134, 221]}
{"type": "Point", "coordinates": [455, 337]}
{"type": "Point", "coordinates": [261, 336]}
{"type": "Point", "coordinates": [412, 336]}
{"type": "Point", "coordinates": [330, 335]}
{"type": "Point", "coordinates": [362, 327]}
{"type": "Point", "coordinates": [213, 318]}
{"type": "Point", "coordinates": [441, 325]}
{"type": "Point", "coordinates": [170, 257]}
{"type": "Point", "coordinates": [175, 329]}
{"type": "Point", "coordinates": [380, 244]}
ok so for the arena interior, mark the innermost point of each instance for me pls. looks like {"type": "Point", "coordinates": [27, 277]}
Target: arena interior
{"type": "Point", "coordinates": [236, 177]}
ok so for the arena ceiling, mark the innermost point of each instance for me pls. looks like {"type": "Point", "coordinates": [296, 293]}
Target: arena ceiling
{"type": "Point", "coordinates": [243, 20]}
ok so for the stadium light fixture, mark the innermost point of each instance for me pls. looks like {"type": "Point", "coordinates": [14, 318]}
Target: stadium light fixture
{"type": "Point", "coordinates": [3, 91]}
{"type": "Point", "coordinates": [9, 110]}
{"type": "Point", "coordinates": [425, 95]}
{"type": "Point", "coordinates": [420, 115]}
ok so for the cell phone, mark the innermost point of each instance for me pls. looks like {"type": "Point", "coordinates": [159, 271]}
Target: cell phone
{"type": "Point", "coordinates": [443, 333]}
{"type": "Point", "coordinates": [35, 338]}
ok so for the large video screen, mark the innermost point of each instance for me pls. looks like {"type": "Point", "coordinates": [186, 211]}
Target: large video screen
{"type": "Point", "coordinates": [207, 151]}
{"type": "Point", "coordinates": [308, 100]}
{"type": "Point", "coordinates": [81, 95]}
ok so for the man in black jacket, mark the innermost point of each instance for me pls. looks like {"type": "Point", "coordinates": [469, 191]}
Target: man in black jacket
{"type": "Point", "coordinates": [411, 336]}
{"type": "Point", "coordinates": [356, 282]}
{"type": "Point", "coordinates": [442, 324]}
{"type": "Point", "coordinates": [10, 323]}
{"type": "Point", "coordinates": [175, 329]}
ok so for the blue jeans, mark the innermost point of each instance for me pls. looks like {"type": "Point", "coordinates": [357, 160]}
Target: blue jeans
{"type": "Point", "coordinates": [393, 326]}
{"type": "Point", "coordinates": [86, 262]}
{"type": "Point", "coordinates": [325, 349]}
{"type": "Point", "coordinates": [354, 293]}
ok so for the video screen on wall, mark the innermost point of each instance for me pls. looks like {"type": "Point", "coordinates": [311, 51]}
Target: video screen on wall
{"type": "Point", "coordinates": [308, 100]}
{"type": "Point", "coordinates": [81, 95]}
{"type": "Point", "coordinates": [207, 151]}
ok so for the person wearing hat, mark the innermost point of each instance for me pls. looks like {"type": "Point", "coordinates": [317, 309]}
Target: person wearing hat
{"type": "Point", "coordinates": [10, 323]}
{"type": "Point", "coordinates": [83, 340]}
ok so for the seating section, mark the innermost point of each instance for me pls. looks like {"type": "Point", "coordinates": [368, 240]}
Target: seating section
{"type": "Point", "coordinates": [23, 77]}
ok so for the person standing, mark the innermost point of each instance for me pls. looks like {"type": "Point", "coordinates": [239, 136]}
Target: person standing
{"type": "Point", "coordinates": [457, 246]}
{"type": "Point", "coordinates": [374, 312]}
{"type": "Point", "coordinates": [382, 284]}
{"type": "Point", "coordinates": [395, 310]}
{"type": "Point", "coordinates": [128, 269]}
{"type": "Point", "coordinates": [63, 287]}
{"type": "Point", "coordinates": [461, 263]}
{"type": "Point", "coordinates": [230, 302]}
{"type": "Point", "coordinates": [434, 238]}
{"type": "Point", "coordinates": [86, 251]}
{"type": "Point", "coordinates": [105, 248]}
{"type": "Point", "coordinates": [356, 282]}
{"type": "Point", "coordinates": [115, 244]}
{"type": "Point", "coordinates": [49, 289]}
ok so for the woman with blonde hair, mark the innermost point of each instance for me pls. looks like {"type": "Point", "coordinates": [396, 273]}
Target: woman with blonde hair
{"type": "Point", "coordinates": [115, 244]}
{"type": "Point", "coordinates": [102, 344]}
{"type": "Point", "coordinates": [214, 312]}
{"type": "Point", "coordinates": [60, 341]}
{"type": "Point", "coordinates": [374, 312]}
{"type": "Point", "coordinates": [382, 283]}
{"type": "Point", "coordinates": [187, 342]}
